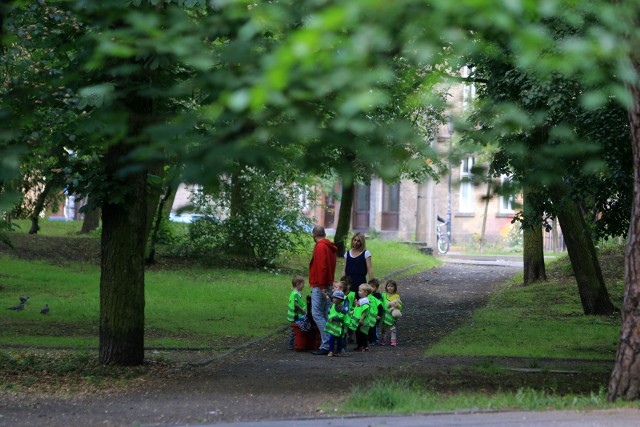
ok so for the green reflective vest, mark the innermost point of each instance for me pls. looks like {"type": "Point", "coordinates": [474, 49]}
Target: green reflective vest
{"type": "Point", "coordinates": [388, 319]}
{"type": "Point", "coordinates": [334, 322]}
{"type": "Point", "coordinates": [358, 312]}
{"type": "Point", "coordinates": [294, 296]}
{"type": "Point", "coordinates": [373, 310]}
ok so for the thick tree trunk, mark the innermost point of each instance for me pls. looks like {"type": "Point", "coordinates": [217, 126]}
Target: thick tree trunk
{"type": "Point", "coordinates": [533, 251]}
{"type": "Point", "coordinates": [91, 221]}
{"type": "Point", "coordinates": [584, 260]}
{"type": "Point", "coordinates": [533, 256]}
{"type": "Point", "coordinates": [39, 206]}
{"type": "Point", "coordinates": [122, 274]}
{"type": "Point", "coordinates": [625, 378]}
{"type": "Point", "coordinates": [123, 243]}
{"type": "Point", "coordinates": [344, 217]}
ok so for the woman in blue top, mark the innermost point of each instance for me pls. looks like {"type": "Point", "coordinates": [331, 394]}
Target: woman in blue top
{"type": "Point", "coordinates": [357, 262]}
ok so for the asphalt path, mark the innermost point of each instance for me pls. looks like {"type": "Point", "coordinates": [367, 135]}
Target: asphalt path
{"type": "Point", "coordinates": [624, 417]}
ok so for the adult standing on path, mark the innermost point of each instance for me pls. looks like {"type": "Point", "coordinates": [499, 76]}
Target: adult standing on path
{"type": "Point", "coordinates": [357, 262]}
{"type": "Point", "coordinates": [322, 271]}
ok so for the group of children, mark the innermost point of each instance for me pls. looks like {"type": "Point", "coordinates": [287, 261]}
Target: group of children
{"type": "Point", "coordinates": [370, 315]}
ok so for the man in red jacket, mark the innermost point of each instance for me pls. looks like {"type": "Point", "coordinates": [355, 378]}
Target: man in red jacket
{"type": "Point", "coordinates": [322, 270]}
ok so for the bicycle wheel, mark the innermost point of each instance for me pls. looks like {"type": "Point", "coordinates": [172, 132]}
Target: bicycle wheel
{"type": "Point", "coordinates": [443, 244]}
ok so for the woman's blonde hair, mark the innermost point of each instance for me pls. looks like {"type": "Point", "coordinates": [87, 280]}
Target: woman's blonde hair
{"type": "Point", "coordinates": [362, 240]}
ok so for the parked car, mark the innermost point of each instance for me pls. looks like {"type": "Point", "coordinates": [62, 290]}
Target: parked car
{"type": "Point", "coordinates": [186, 217]}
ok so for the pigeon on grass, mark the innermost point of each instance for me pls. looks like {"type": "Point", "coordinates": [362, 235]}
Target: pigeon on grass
{"type": "Point", "coordinates": [18, 307]}
{"type": "Point", "coordinates": [45, 309]}
{"type": "Point", "coordinates": [23, 299]}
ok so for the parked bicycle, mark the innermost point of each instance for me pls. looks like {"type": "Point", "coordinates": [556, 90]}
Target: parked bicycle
{"type": "Point", "coordinates": [444, 239]}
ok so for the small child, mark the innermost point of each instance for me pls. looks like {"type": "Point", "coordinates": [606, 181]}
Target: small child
{"type": "Point", "coordinates": [297, 305]}
{"type": "Point", "coordinates": [392, 311]}
{"type": "Point", "coordinates": [375, 312]}
{"type": "Point", "coordinates": [360, 318]}
{"type": "Point", "coordinates": [346, 308]}
{"type": "Point", "coordinates": [335, 324]}
{"type": "Point", "coordinates": [350, 302]}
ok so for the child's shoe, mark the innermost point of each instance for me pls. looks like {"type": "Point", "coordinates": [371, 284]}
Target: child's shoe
{"type": "Point", "coordinates": [383, 342]}
{"type": "Point", "coordinates": [394, 343]}
{"type": "Point", "coordinates": [331, 354]}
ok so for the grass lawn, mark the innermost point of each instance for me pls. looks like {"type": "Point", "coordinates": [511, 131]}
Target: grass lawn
{"type": "Point", "coordinates": [543, 320]}
{"type": "Point", "coordinates": [186, 306]}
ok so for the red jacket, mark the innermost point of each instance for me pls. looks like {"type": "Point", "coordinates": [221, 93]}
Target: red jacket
{"type": "Point", "coordinates": [322, 268]}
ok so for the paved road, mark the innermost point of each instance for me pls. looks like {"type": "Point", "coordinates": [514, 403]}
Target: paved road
{"type": "Point", "coordinates": [625, 417]}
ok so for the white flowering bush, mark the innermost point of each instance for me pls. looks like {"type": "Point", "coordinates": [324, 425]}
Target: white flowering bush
{"type": "Point", "coordinates": [251, 214]}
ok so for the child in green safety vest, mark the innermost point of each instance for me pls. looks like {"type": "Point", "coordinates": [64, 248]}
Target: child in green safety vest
{"type": "Point", "coordinates": [392, 312]}
{"type": "Point", "coordinates": [341, 285]}
{"type": "Point", "coordinates": [349, 302]}
{"type": "Point", "coordinates": [335, 324]}
{"type": "Point", "coordinates": [360, 318]}
{"type": "Point", "coordinates": [297, 305]}
{"type": "Point", "coordinates": [375, 312]}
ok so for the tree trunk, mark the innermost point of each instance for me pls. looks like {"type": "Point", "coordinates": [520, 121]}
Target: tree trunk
{"type": "Point", "coordinates": [91, 221]}
{"type": "Point", "coordinates": [584, 260]}
{"type": "Point", "coordinates": [153, 240]}
{"type": "Point", "coordinates": [39, 206]}
{"type": "Point", "coordinates": [533, 256]}
{"type": "Point", "coordinates": [533, 251]}
{"type": "Point", "coordinates": [168, 202]}
{"type": "Point", "coordinates": [122, 249]}
{"type": "Point", "coordinates": [155, 179]}
{"type": "Point", "coordinates": [122, 274]}
{"type": "Point", "coordinates": [625, 378]}
{"type": "Point", "coordinates": [344, 217]}
{"type": "Point", "coordinates": [485, 214]}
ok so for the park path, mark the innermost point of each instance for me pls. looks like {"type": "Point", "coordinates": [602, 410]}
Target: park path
{"type": "Point", "coordinates": [265, 381]}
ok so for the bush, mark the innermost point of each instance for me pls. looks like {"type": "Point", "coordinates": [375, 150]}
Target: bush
{"type": "Point", "coordinates": [262, 219]}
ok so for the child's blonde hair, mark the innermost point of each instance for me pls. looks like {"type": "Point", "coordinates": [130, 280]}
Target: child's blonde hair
{"type": "Point", "coordinates": [366, 287]}
{"type": "Point", "coordinates": [340, 284]}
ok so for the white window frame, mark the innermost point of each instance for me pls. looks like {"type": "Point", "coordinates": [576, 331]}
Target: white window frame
{"type": "Point", "coordinates": [506, 201]}
{"type": "Point", "coordinates": [468, 89]}
{"type": "Point", "coordinates": [467, 193]}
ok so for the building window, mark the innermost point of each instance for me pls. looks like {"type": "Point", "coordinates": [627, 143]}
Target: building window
{"type": "Point", "coordinates": [506, 200]}
{"type": "Point", "coordinates": [468, 89]}
{"type": "Point", "coordinates": [361, 203]}
{"type": "Point", "coordinates": [390, 206]}
{"type": "Point", "coordinates": [466, 186]}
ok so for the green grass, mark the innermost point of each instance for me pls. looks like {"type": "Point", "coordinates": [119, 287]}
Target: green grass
{"type": "Point", "coordinates": [540, 320]}
{"type": "Point", "coordinates": [48, 227]}
{"type": "Point", "coordinates": [193, 306]}
{"type": "Point", "coordinates": [543, 320]}
{"type": "Point", "coordinates": [408, 396]}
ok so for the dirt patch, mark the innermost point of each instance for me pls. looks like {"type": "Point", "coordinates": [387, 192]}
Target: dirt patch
{"type": "Point", "coordinates": [267, 381]}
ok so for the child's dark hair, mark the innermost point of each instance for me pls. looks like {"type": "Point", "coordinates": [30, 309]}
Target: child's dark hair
{"type": "Point", "coordinates": [374, 283]}
{"type": "Point", "coordinates": [297, 279]}
{"type": "Point", "coordinates": [346, 280]}
{"type": "Point", "coordinates": [392, 283]}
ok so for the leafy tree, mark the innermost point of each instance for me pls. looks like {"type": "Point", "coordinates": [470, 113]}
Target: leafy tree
{"type": "Point", "coordinates": [554, 125]}
{"type": "Point", "coordinates": [268, 222]}
{"type": "Point", "coordinates": [33, 82]}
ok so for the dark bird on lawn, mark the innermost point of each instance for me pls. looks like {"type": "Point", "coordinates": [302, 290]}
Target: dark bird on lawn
{"type": "Point", "coordinates": [18, 307]}
{"type": "Point", "coordinates": [45, 309]}
{"type": "Point", "coordinates": [23, 299]}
